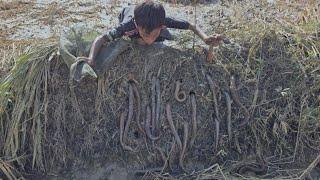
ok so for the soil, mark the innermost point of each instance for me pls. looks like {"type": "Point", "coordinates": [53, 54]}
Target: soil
{"type": "Point", "coordinates": [101, 111]}
{"type": "Point", "coordinates": [89, 115]}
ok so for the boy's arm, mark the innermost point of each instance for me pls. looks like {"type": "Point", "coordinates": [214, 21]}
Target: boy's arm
{"type": "Point", "coordinates": [181, 24]}
{"type": "Point", "coordinates": [198, 32]}
{"type": "Point", "coordinates": [214, 40]}
{"type": "Point", "coordinates": [95, 48]}
{"type": "Point", "coordinates": [115, 33]}
{"type": "Point", "coordinates": [99, 42]}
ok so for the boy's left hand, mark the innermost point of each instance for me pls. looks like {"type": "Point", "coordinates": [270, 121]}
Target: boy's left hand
{"type": "Point", "coordinates": [214, 40]}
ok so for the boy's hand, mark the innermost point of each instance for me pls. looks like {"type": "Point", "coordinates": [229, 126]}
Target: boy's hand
{"type": "Point", "coordinates": [86, 59]}
{"type": "Point", "coordinates": [90, 62]}
{"type": "Point", "coordinates": [214, 40]}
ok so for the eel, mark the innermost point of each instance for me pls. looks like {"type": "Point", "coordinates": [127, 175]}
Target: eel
{"type": "Point", "coordinates": [180, 96]}
{"type": "Point", "coordinates": [172, 127]}
{"type": "Point", "coordinates": [193, 117]}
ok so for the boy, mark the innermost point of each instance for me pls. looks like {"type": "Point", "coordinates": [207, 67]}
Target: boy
{"type": "Point", "coordinates": [147, 23]}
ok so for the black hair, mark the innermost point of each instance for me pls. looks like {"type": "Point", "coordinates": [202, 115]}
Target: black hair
{"type": "Point", "coordinates": [149, 15]}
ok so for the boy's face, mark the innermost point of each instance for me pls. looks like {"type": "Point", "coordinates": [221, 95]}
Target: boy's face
{"type": "Point", "coordinates": [149, 38]}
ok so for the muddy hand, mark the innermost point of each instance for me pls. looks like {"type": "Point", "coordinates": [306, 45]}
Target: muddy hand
{"type": "Point", "coordinates": [214, 40]}
{"type": "Point", "coordinates": [86, 59]}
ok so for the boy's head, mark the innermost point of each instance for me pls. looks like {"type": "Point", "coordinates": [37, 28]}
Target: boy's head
{"type": "Point", "coordinates": [150, 19]}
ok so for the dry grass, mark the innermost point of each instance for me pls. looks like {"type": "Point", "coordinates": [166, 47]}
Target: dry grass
{"type": "Point", "coordinates": [13, 8]}
{"type": "Point", "coordinates": [24, 98]}
{"type": "Point", "coordinates": [10, 50]}
{"type": "Point", "coordinates": [9, 171]}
